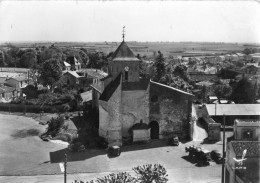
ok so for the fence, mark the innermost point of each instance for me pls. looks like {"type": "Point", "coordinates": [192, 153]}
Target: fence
{"type": "Point", "coordinates": [30, 108]}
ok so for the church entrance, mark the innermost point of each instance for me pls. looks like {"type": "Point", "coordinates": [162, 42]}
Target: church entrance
{"type": "Point", "coordinates": [154, 131]}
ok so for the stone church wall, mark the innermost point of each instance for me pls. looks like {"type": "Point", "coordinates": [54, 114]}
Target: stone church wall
{"type": "Point", "coordinates": [110, 118]}
{"type": "Point", "coordinates": [171, 108]}
{"type": "Point", "coordinates": [135, 107]}
{"type": "Point", "coordinates": [119, 66]}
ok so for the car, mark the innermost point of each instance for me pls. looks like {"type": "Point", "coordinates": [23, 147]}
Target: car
{"type": "Point", "coordinates": [76, 147]}
{"type": "Point", "coordinates": [174, 141]}
{"type": "Point", "coordinates": [114, 151]}
{"type": "Point", "coordinates": [216, 156]}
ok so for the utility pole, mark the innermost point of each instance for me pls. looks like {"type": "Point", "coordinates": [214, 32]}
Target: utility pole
{"type": "Point", "coordinates": [224, 152]}
{"type": "Point", "coordinates": [65, 169]}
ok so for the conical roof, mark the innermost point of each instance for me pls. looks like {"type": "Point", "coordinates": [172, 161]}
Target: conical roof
{"type": "Point", "coordinates": [124, 53]}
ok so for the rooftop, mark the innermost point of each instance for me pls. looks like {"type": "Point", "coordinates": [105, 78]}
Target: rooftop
{"type": "Point", "coordinates": [94, 73]}
{"type": "Point", "coordinates": [124, 53]}
{"type": "Point", "coordinates": [233, 109]}
{"type": "Point", "coordinates": [253, 148]}
{"type": "Point", "coordinates": [19, 78]}
{"type": "Point", "coordinates": [73, 73]}
{"type": "Point", "coordinates": [110, 89]}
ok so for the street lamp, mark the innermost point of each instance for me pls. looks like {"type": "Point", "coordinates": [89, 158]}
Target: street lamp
{"type": "Point", "coordinates": [224, 153]}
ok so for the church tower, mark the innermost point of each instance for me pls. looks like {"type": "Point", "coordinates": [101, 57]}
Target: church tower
{"type": "Point", "coordinates": [124, 61]}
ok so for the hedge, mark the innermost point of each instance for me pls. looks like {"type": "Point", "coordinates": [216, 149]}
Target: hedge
{"type": "Point", "coordinates": [31, 108]}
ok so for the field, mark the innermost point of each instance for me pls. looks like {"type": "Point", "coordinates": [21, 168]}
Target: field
{"type": "Point", "coordinates": [149, 48]}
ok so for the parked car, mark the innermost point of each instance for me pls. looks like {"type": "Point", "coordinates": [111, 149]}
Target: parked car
{"type": "Point", "coordinates": [216, 156]}
{"type": "Point", "coordinates": [174, 141]}
{"type": "Point", "coordinates": [77, 147]}
{"type": "Point", "coordinates": [114, 151]}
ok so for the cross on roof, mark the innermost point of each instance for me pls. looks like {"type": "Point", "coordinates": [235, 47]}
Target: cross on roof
{"type": "Point", "coordinates": [123, 33]}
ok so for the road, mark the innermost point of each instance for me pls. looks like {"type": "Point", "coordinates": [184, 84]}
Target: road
{"type": "Point", "coordinates": [24, 154]}
{"type": "Point", "coordinates": [176, 175]}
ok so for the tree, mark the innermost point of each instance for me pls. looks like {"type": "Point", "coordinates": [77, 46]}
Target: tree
{"type": "Point", "coordinates": [244, 92]}
{"type": "Point", "coordinates": [223, 91]}
{"type": "Point", "coordinates": [144, 70]}
{"type": "Point", "coordinates": [151, 173]}
{"type": "Point", "coordinates": [11, 56]}
{"type": "Point", "coordinates": [51, 52]}
{"type": "Point", "coordinates": [181, 71]}
{"type": "Point", "coordinates": [28, 59]}
{"type": "Point", "coordinates": [159, 66]}
{"type": "Point", "coordinates": [50, 72]}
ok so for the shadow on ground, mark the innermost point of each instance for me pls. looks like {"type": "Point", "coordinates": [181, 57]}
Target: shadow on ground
{"type": "Point", "coordinates": [189, 159]}
{"type": "Point", "coordinates": [59, 156]}
{"type": "Point", "coordinates": [25, 133]}
{"type": "Point", "coordinates": [206, 141]}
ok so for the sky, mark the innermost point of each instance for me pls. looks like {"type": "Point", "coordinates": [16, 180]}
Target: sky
{"type": "Point", "coordinates": [96, 21]}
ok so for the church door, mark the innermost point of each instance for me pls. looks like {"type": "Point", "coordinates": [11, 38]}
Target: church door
{"type": "Point", "coordinates": [154, 130]}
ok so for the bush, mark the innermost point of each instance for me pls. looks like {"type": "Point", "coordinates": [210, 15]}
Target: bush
{"type": "Point", "coordinates": [55, 124]}
{"type": "Point", "coordinates": [121, 177]}
{"type": "Point", "coordinates": [145, 174]}
{"type": "Point", "coordinates": [30, 91]}
{"type": "Point", "coordinates": [151, 173]}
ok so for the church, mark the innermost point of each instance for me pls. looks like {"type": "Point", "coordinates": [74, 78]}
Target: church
{"type": "Point", "coordinates": [124, 100]}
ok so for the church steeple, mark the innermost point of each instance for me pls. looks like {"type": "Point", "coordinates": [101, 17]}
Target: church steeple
{"type": "Point", "coordinates": [123, 34]}
{"type": "Point", "coordinates": [124, 61]}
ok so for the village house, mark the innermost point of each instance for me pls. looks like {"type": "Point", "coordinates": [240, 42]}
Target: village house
{"type": "Point", "coordinates": [248, 170]}
{"type": "Point", "coordinates": [82, 78]}
{"type": "Point", "coordinates": [66, 66]}
{"type": "Point", "coordinates": [247, 129]}
{"type": "Point", "coordinates": [7, 94]}
{"type": "Point", "coordinates": [245, 140]}
{"type": "Point", "coordinates": [232, 112]}
{"type": "Point", "coordinates": [250, 70]}
{"type": "Point", "coordinates": [75, 65]}
{"type": "Point", "coordinates": [18, 83]}
{"type": "Point", "coordinates": [124, 100]}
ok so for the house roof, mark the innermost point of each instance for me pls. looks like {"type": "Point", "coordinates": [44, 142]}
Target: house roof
{"type": "Point", "coordinates": [233, 109]}
{"type": "Point", "coordinates": [110, 89]}
{"type": "Point", "coordinates": [20, 78]}
{"type": "Point", "coordinates": [204, 83]}
{"type": "Point", "coordinates": [94, 73]}
{"type": "Point", "coordinates": [73, 73]}
{"type": "Point", "coordinates": [253, 148]}
{"type": "Point", "coordinates": [124, 53]}
{"type": "Point", "coordinates": [66, 64]}
{"type": "Point", "coordinates": [172, 88]}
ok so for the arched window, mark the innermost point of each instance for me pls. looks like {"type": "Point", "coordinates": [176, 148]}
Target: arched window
{"type": "Point", "coordinates": [126, 75]}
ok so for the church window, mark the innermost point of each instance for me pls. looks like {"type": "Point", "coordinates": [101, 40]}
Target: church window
{"type": "Point", "coordinates": [126, 75]}
{"type": "Point", "coordinates": [248, 134]}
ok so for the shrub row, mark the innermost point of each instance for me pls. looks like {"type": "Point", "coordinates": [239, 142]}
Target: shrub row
{"type": "Point", "coordinates": [31, 108]}
{"type": "Point", "coordinates": [144, 174]}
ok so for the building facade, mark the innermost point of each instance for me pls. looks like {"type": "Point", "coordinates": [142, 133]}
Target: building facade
{"type": "Point", "coordinates": [124, 99]}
